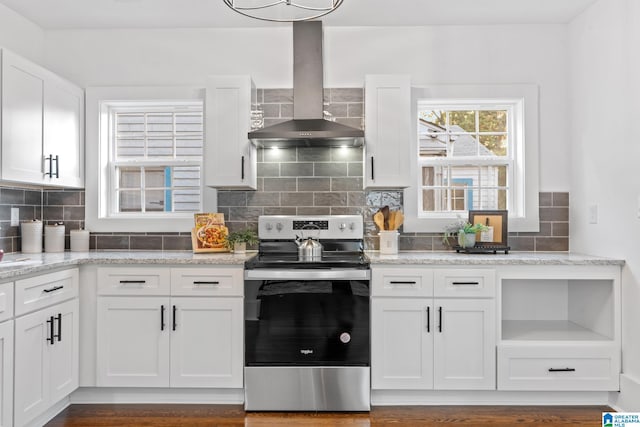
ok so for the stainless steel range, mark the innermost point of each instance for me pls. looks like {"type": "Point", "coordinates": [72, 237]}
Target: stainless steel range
{"type": "Point", "coordinates": [307, 316]}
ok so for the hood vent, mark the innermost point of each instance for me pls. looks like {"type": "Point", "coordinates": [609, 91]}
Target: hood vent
{"type": "Point", "coordinates": [308, 128]}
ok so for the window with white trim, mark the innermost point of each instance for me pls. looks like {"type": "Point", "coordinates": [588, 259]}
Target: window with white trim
{"type": "Point", "coordinates": [155, 158]}
{"type": "Point", "coordinates": [475, 147]}
{"type": "Point", "coordinates": [144, 159]}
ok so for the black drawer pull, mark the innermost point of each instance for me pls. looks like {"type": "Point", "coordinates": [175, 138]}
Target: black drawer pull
{"type": "Point", "coordinates": [428, 319]}
{"type": "Point", "coordinates": [55, 288]}
{"type": "Point", "coordinates": [465, 283]}
{"type": "Point", "coordinates": [200, 282]}
{"type": "Point", "coordinates": [401, 282]}
{"type": "Point", "coordinates": [59, 318]}
{"type": "Point", "coordinates": [562, 370]}
{"type": "Point", "coordinates": [174, 318]}
{"type": "Point", "coordinates": [124, 282]}
{"type": "Point", "coordinates": [51, 333]}
{"type": "Point", "coordinates": [439, 319]}
{"type": "Point", "coordinates": [162, 317]}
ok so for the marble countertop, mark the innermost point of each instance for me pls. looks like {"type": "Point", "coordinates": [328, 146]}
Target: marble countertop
{"type": "Point", "coordinates": [17, 264]}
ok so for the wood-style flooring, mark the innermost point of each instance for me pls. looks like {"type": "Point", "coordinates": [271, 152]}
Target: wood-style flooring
{"type": "Point", "coordinates": [392, 416]}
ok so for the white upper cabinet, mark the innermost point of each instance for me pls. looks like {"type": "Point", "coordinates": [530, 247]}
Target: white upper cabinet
{"type": "Point", "coordinates": [229, 157]}
{"type": "Point", "coordinates": [42, 125]}
{"type": "Point", "coordinates": [387, 131]}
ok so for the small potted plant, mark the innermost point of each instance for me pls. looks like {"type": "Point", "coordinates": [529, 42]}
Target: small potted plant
{"type": "Point", "coordinates": [238, 240]}
{"type": "Point", "coordinates": [465, 232]}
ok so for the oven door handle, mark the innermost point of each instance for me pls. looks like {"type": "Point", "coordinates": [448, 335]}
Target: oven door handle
{"type": "Point", "coordinates": [307, 274]}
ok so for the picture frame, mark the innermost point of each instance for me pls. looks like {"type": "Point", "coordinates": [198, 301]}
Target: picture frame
{"type": "Point", "coordinates": [497, 220]}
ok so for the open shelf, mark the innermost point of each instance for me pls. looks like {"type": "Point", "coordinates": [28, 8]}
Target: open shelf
{"type": "Point", "coordinates": [544, 309]}
{"type": "Point", "coordinates": [548, 330]}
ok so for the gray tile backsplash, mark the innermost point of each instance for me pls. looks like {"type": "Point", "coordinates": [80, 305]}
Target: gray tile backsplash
{"type": "Point", "coordinates": [294, 181]}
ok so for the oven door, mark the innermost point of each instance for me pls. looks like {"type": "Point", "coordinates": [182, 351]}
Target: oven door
{"type": "Point", "coordinates": [307, 318]}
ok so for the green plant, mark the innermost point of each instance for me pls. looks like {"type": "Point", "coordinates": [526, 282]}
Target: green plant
{"type": "Point", "coordinates": [242, 236]}
{"type": "Point", "coordinates": [461, 226]}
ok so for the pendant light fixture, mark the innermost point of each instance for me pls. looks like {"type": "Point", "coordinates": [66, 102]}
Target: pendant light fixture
{"type": "Point", "coordinates": [284, 10]}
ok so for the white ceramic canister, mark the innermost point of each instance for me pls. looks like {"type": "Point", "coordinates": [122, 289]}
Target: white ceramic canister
{"type": "Point", "coordinates": [54, 238]}
{"type": "Point", "coordinates": [79, 240]}
{"type": "Point", "coordinates": [31, 234]}
{"type": "Point", "coordinates": [388, 242]}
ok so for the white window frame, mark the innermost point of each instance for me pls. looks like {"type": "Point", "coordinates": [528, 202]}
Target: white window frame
{"type": "Point", "coordinates": [523, 174]}
{"type": "Point", "coordinates": [98, 217]}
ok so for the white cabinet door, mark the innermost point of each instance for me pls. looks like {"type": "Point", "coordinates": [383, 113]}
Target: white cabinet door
{"type": "Point", "coordinates": [229, 157]}
{"type": "Point", "coordinates": [388, 131]}
{"type": "Point", "coordinates": [133, 343]}
{"type": "Point", "coordinates": [33, 340]}
{"type": "Point", "coordinates": [63, 133]}
{"type": "Point", "coordinates": [64, 354]}
{"type": "Point", "coordinates": [401, 343]}
{"type": "Point", "coordinates": [6, 373]}
{"type": "Point", "coordinates": [464, 344]}
{"type": "Point", "coordinates": [22, 119]}
{"type": "Point", "coordinates": [206, 342]}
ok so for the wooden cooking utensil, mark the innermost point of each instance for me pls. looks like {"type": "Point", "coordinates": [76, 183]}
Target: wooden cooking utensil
{"type": "Point", "coordinates": [398, 220]}
{"type": "Point", "coordinates": [392, 220]}
{"type": "Point", "coordinates": [385, 214]}
{"type": "Point", "coordinates": [378, 219]}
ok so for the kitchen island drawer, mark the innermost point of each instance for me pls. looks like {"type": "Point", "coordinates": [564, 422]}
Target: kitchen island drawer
{"type": "Point", "coordinates": [401, 282]}
{"type": "Point", "coordinates": [573, 367]}
{"type": "Point", "coordinates": [134, 281]}
{"type": "Point", "coordinates": [219, 281]}
{"type": "Point", "coordinates": [41, 291]}
{"type": "Point", "coordinates": [465, 282]}
{"type": "Point", "coordinates": [6, 301]}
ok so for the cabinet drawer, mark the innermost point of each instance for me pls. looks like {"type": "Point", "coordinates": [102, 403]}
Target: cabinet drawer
{"type": "Point", "coordinates": [134, 281]}
{"type": "Point", "coordinates": [401, 282]}
{"type": "Point", "coordinates": [6, 301]}
{"type": "Point", "coordinates": [565, 368]}
{"type": "Point", "coordinates": [207, 281]}
{"type": "Point", "coordinates": [41, 291]}
{"type": "Point", "coordinates": [464, 283]}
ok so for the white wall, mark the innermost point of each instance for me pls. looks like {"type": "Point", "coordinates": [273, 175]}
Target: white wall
{"type": "Point", "coordinates": [20, 35]}
{"type": "Point", "coordinates": [604, 43]}
{"type": "Point", "coordinates": [438, 54]}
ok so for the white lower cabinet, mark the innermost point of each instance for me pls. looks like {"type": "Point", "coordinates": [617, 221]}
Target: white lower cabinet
{"type": "Point", "coordinates": [170, 341]}
{"type": "Point", "coordinates": [46, 359]}
{"type": "Point", "coordinates": [424, 343]}
{"type": "Point", "coordinates": [6, 373]}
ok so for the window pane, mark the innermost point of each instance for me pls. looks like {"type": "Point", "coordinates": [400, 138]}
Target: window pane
{"type": "Point", "coordinates": [157, 147]}
{"type": "Point", "coordinates": [154, 201]}
{"type": "Point", "coordinates": [437, 117]}
{"type": "Point", "coordinates": [462, 121]}
{"type": "Point", "coordinates": [464, 145]}
{"type": "Point", "coordinates": [494, 145]}
{"type": "Point", "coordinates": [129, 177]}
{"type": "Point", "coordinates": [155, 178]}
{"type": "Point", "coordinates": [493, 120]}
{"type": "Point", "coordinates": [492, 199]}
{"type": "Point", "coordinates": [130, 201]}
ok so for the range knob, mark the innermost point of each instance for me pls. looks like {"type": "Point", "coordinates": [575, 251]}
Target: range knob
{"type": "Point", "coordinates": [352, 226]}
{"type": "Point", "coordinates": [345, 337]}
{"type": "Point", "coordinates": [268, 226]}
{"type": "Point", "coordinates": [279, 226]}
{"type": "Point", "coordinates": [342, 226]}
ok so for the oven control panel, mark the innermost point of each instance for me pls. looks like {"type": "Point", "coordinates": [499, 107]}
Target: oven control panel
{"type": "Point", "coordinates": [322, 227]}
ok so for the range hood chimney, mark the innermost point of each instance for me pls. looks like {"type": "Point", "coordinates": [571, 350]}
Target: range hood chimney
{"type": "Point", "coordinates": [308, 128]}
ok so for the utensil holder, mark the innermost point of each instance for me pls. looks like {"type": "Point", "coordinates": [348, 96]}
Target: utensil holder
{"type": "Point", "coordinates": [31, 233]}
{"type": "Point", "coordinates": [388, 242]}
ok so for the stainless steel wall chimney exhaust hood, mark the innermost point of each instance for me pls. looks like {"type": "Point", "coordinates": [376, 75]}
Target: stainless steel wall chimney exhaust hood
{"type": "Point", "coordinates": [308, 128]}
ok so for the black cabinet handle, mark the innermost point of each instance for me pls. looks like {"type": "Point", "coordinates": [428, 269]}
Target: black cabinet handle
{"type": "Point", "coordinates": [465, 283]}
{"type": "Point", "coordinates": [55, 288]}
{"type": "Point", "coordinates": [57, 167]}
{"type": "Point", "coordinates": [59, 318]}
{"type": "Point", "coordinates": [439, 319]}
{"type": "Point", "coordinates": [174, 318]}
{"type": "Point", "coordinates": [124, 282]}
{"type": "Point", "coordinates": [162, 317]}
{"type": "Point", "coordinates": [51, 333]}
{"type": "Point", "coordinates": [400, 282]}
{"type": "Point", "coordinates": [242, 168]}
{"type": "Point", "coordinates": [562, 370]}
{"type": "Point", "coordinates": [50, 160]}
{"type": "Point", "coordinates": [200, 282]}
{"type": "Point", "coordinates": [372, 173]}
{"type": "Point", "coordinates": [428, 319]}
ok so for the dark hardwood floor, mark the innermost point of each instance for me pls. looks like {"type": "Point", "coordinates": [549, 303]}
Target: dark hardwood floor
{"type": "Point", "coordinates": [396, 416]}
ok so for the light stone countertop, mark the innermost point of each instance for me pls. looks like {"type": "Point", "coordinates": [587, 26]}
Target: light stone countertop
{"type": "Point", "coordinates": [18, 264]}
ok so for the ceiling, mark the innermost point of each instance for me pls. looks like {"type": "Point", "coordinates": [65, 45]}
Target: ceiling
{"type": "Point", "coordinates": [75, 14]}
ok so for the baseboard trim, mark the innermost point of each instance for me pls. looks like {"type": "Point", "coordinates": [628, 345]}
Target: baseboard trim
{"type": "Point", "coordinates": [628, 399]}
{"type": "Point", "coordinates": [49, 414]}
{"type": "Point", "coordinates": [489, 397]}
{"type": "Point", "coordinates": [157, 395]}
